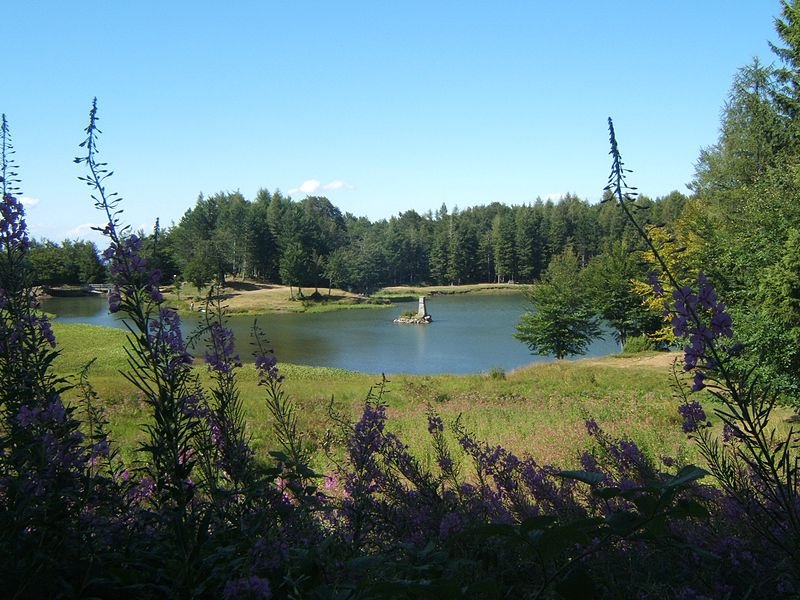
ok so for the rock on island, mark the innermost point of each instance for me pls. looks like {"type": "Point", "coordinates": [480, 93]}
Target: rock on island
{"type": "Point", "coordinates": [421, 318]}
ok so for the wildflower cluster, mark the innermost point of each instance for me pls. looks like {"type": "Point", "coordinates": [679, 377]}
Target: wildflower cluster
{"type": "Point", "coordinates": [702, 319]}
{"type": "Point", "coordinates": [13, 232]}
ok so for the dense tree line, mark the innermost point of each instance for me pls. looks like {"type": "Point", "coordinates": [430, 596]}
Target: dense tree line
{"type": "Point", "coordinates": [310, 243]}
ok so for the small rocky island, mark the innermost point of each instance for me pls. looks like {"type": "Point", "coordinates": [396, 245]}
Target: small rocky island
{"type": "Point", "coordinates": [421, 318]}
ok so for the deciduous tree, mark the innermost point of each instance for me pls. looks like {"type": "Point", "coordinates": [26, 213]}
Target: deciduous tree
{"type": "Point", "coordinates": [560, 321]}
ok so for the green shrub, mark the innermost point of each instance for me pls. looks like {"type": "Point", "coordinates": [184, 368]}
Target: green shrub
{"type": "Point", "coordinates": [497, 373]}
{"type": "Point", "coordinates": [638, 343]}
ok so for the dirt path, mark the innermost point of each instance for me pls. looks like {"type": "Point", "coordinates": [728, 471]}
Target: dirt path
{"type": "Point", "coordinates": [660, 360]}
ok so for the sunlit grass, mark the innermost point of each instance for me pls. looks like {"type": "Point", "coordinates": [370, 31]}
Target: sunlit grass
{"type": "Point", "coordinates": [253, 298]}
{"type": "Point", "coordinates": [410, 291]}
{"type": "Point", "coordinates": [539, 410]}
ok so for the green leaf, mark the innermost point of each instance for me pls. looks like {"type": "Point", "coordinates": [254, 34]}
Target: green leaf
{"type": "Point", "coordinates": [646, 503]}
{"type": "Point", "coordinates": [607, 493]}
{"type": "Point", "coordinates": [623, 522]}
{"type": "Point", "coordinates": [584, 476]}
{"type": "Point", "coordinates": [689, 508]}
{"type": "Point", "coordinates": [685, 476]}
{"type": "Point", "coordinates": [539, 522]}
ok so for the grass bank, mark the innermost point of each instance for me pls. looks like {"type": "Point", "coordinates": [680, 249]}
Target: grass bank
{"type": "Point", "coordinates": [401, 292]}
{"type": "Point", "coordinates": [254, 298]}
{"type": "Point", "coordinates": [539, 410]}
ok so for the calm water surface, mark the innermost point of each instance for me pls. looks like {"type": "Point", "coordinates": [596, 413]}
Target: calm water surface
{"type": "Point", "coordinates": [469, 334]}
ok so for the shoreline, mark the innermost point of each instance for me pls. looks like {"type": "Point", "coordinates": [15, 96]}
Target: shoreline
{"type": "Point", "coordinates": [254, 299]}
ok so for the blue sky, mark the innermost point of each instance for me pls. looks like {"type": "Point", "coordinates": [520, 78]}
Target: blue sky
{"type": "Point", "coordinates": [381, 106]}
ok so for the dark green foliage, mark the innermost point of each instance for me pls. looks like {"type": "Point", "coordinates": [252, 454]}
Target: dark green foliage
{"type": "Point", "coordinates": [226, 234]}
{"type": "Point", "coordinates": [787, 25]}
{"type": "Point", "coordinates": [746, 210]}
{"type": "Point", "coordinates": [505, 252]}
{"type": "Point", "coordinates": [561, 321]}
{"type": "Point", "coordinates": [752, 139]}
{"type": "Point", "coordinates": [70, 263]}
{"type": "Point", "coordinates": [295, 266]}
{"type": "Point", "coordinates": [607, 279]}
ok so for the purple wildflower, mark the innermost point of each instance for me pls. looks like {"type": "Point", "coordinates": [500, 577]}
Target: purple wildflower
{"type": "Point", "coordinates": [267, 366]}
{"type": "Point", "coordinates": [730, 433]}
{"type": "Point", "coordinates": [721, 322]}
{"type": "Point", "coordinates": [698, 384]}
{"type": "Point", "coordinates": [687, 311]}
{"type": "Point", "coordinates": [55, 412]}
{"type": "Point", "coordinates": [331, 482]}
{"type": "Point", "coordinates": [166, 337]}
{"type": "Point", "coordinates": [252, 588]}
{"type": "Point", "coordinates": [680, 325]}
{"type": "Point", "coordinates": [101, 449]}
{"type": "Point", "coordinates": [435, 424]}
{"type": "Point", "coordinates": [221, 355]}
{"type": "Point", "coordinates": [706, 295]}
{"type": "Point", "coordinates": [589, 462]}
{"type": "Point", "coordinates": [694, 352]}
{"type": "Point", "coordinates": [693, 415]}
{"type": "Point", "coordinates": [28, 415]}
{"type": "Point", "coordinates": [47, 331]}
{"type": "Point", "coordinates": [445, 463]}
{"type": "Point", "coordinates": [153, 289]}
{"type": "Point", "coordinates": [655, 283]}
{"type": "Point", "coordinates": [592, 428]}
{"type": "Point", "coordinates": [195, 407]}
{"type": "Point", "coordinates": [13, 230]}
{"type": "Point", "coordinates": [114, 300]}
{"type": "Point", "coordinates": [142, 491]}
{"type": "Point", "coordinates": [627, 454]}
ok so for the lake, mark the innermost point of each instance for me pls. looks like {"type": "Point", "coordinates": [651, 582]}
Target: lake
{"type": "Point", "coordinates": [469, 334]}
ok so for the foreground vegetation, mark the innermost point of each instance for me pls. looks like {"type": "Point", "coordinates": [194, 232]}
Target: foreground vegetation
{"type": "Point", "coordinates": [209, 505]}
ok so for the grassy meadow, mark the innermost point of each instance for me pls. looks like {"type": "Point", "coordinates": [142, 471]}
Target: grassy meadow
{"type": "Point", "coordinates": [254, 298]}
{"type": "Point", "coordinates": [538, 410]}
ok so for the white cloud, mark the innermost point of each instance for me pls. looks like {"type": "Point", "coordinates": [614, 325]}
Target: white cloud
{"type": "Point", "coordinates": [310, 186]}
{"type": "Point", "coordinates": [554, 196]}
{"type": "Point", "coordinates": [28, 202]}
{"type": "Point", "coordinates": [337, 184]}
